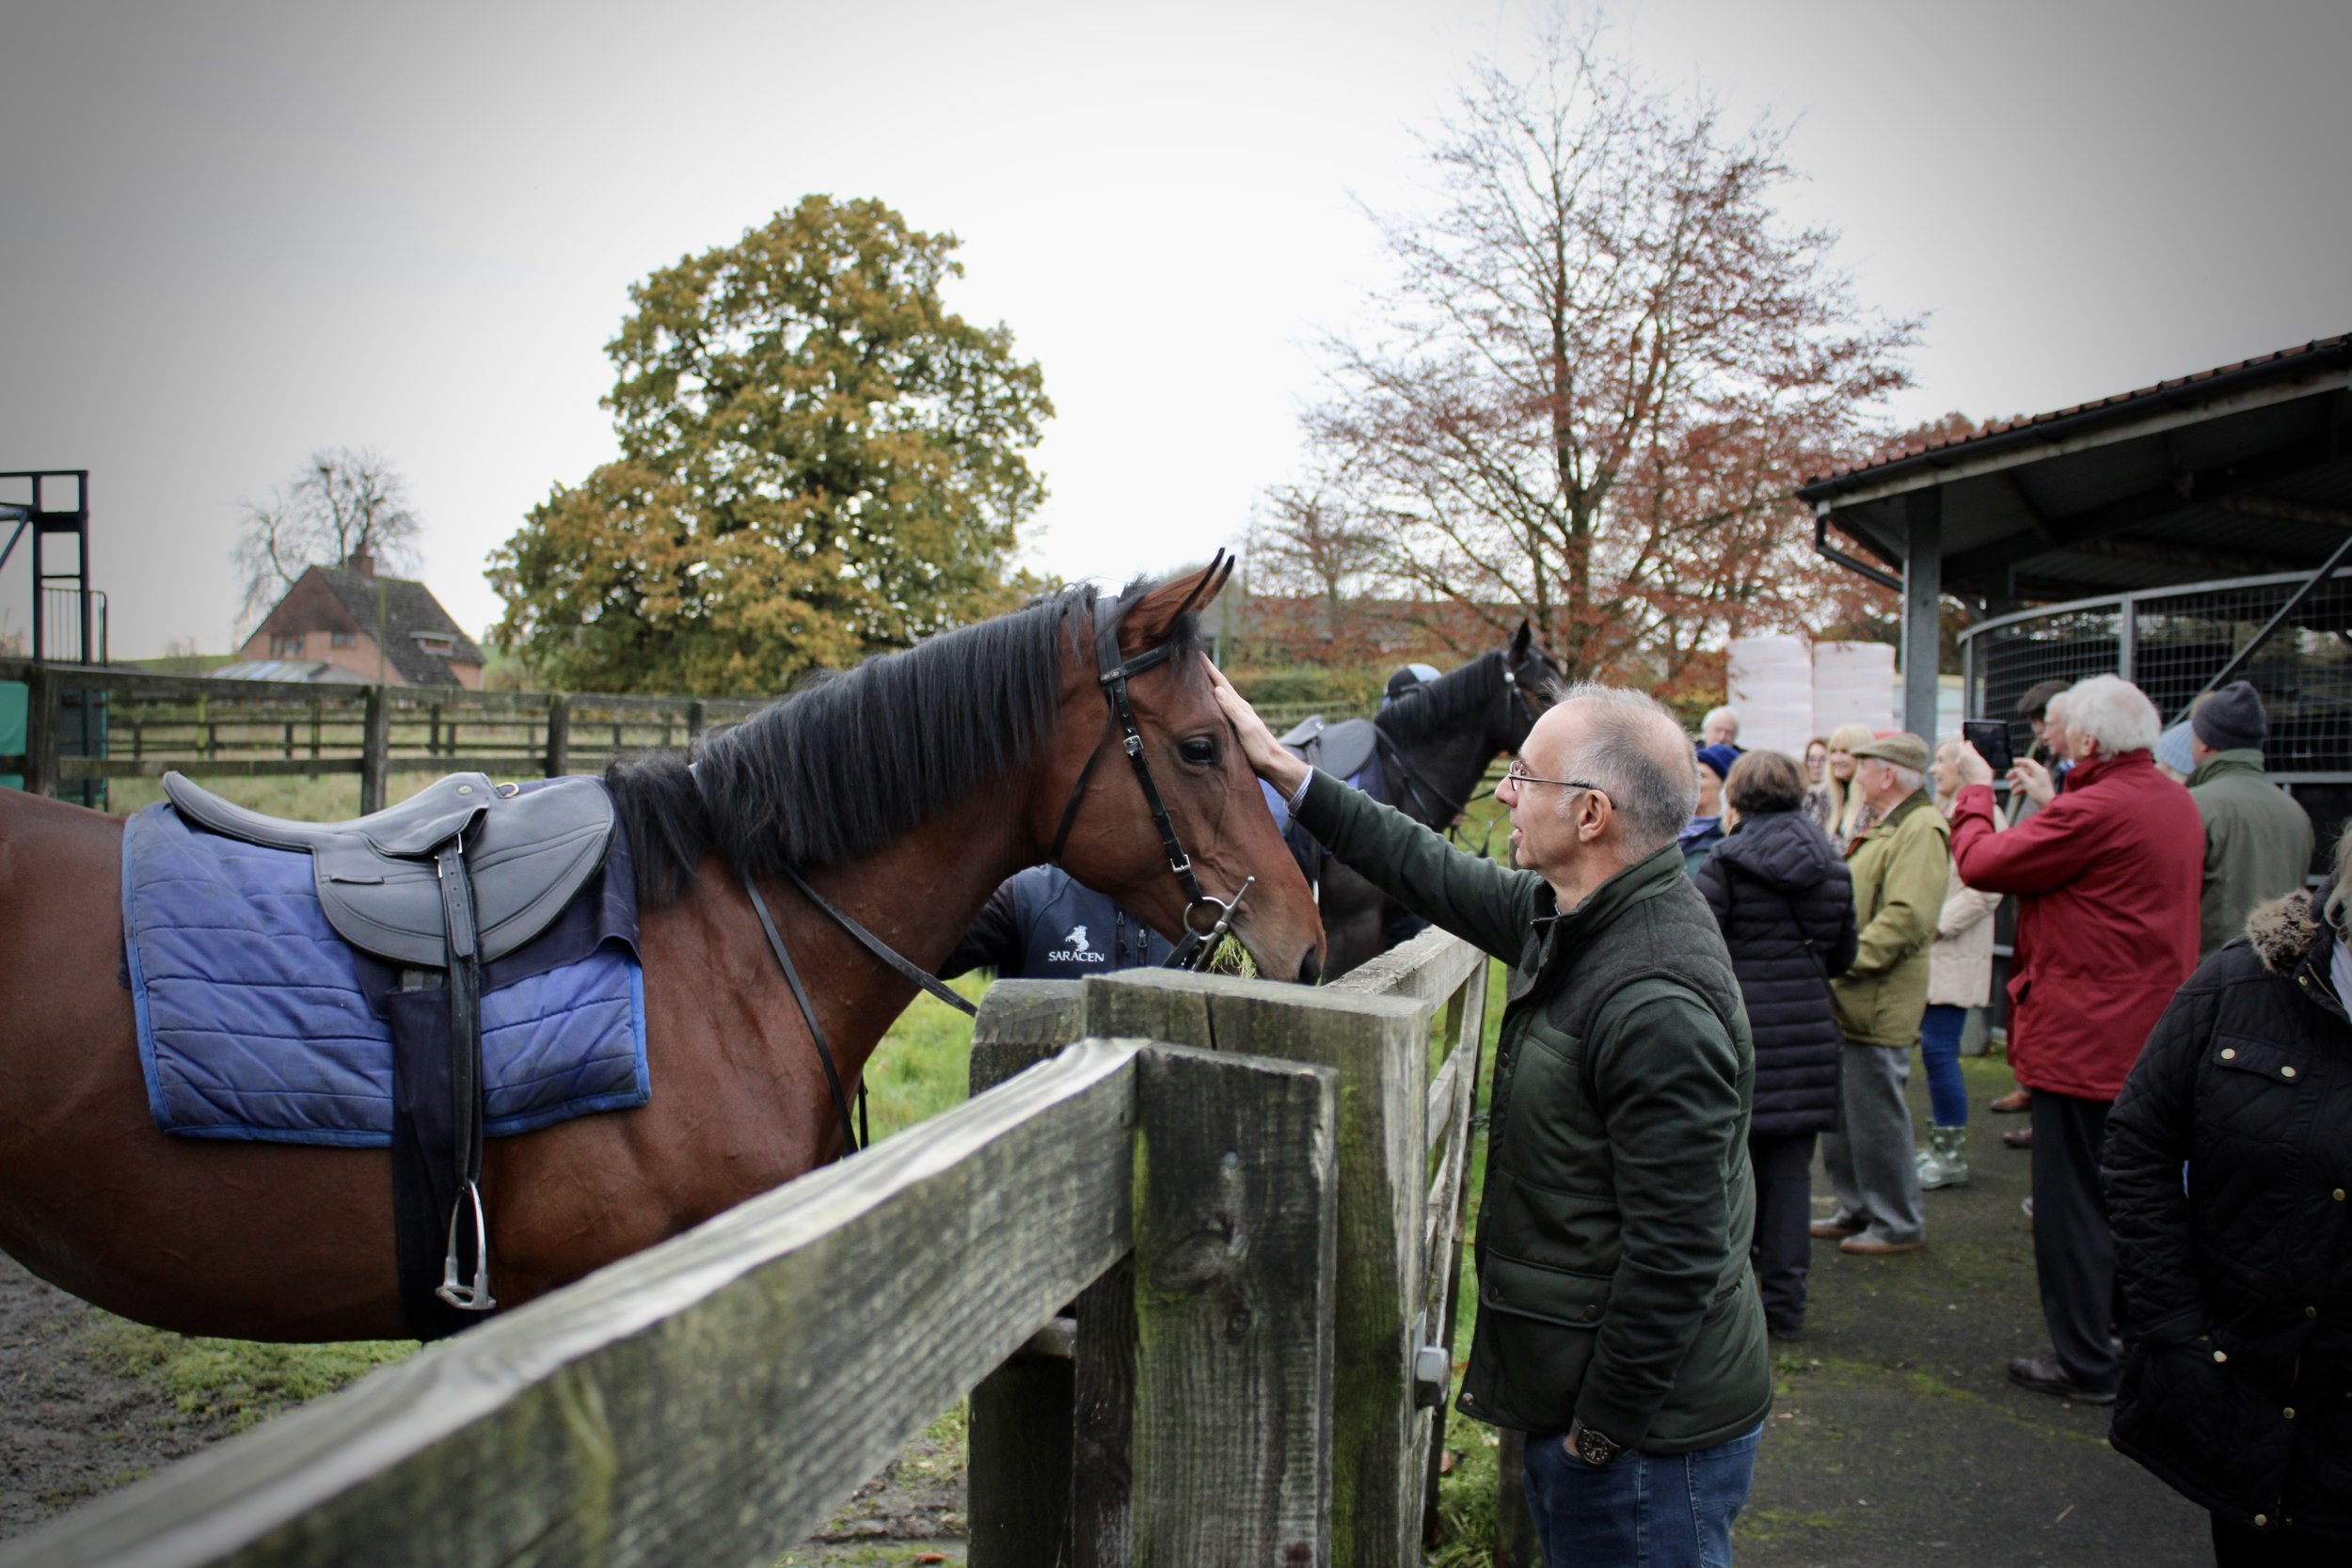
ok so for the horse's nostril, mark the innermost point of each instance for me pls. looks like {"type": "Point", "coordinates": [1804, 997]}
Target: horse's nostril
{"type": "Point", "coordinates": [1310, 968]}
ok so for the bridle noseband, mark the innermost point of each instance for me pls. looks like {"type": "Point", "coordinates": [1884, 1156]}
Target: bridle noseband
{"type": "Point", "coordinates": [1207, 918]}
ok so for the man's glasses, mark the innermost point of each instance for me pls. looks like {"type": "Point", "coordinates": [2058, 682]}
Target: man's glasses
{"type": "Point", "coordinates": [1518, 778]}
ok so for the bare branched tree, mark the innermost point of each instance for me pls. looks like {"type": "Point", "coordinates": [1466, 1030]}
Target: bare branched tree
{"type": "Point", "coordinates": [1606, 363]}
{"type": "Point", "coordinates": [1306, 545]}
{"type": "Point", "coordinates": [340, 502]}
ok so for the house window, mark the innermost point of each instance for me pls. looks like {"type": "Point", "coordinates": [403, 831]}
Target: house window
{"type": "Point", "coordinates": [285, 644]}
{"type": "Point", "coordinates": [343, 639]}
{"type": "Point", "coordinates": [437, 643]}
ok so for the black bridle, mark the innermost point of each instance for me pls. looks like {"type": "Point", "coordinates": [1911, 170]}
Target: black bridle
{"type": "Point", "coordinates": [1441, 807]}
{"type": "Point", "coordinates": [1206, 918]}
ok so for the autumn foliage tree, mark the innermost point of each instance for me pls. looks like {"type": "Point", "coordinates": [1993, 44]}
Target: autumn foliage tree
{"type": "Point", "coordinates": [819, 461]}
{"type": "Point", "coordinates": [1606, 362]}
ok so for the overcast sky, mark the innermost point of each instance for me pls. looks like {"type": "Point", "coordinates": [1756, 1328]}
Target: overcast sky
{"type": "Point", "coordinates": [232, 234]}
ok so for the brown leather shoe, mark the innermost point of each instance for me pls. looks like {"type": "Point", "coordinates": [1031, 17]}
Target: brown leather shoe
{"type": "Point", "coordinates": [1834, 1228]}
{"type": "Point", "coordinates": [1868, 1246]}
{"type": "Point", "coordinates": [2022, 1139]}
{"type": "Point", "coordinates": [2016, 1100]}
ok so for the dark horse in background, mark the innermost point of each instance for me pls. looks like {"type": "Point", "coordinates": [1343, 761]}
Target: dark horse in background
{"type": "Point", "coordinates": [1434, 742]}
{"type": "Point", "coordinates": [905, 790]}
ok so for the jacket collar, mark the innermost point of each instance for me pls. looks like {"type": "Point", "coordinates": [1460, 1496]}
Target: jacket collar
{"type": "Point", "coordinates": [2085, 774]}
{"type": "Point", "coordinates": [1915, 801]}
{"type": "Point", "coordinates": [1640, 880]}
{"type": "Point", "coordinates": [2247, 759]}
{"type": "Point", "coordinates": [2295, 941]}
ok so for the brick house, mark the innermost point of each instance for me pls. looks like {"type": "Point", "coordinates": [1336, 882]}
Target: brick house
{"type": "Point", "coordinates": [329, 616]}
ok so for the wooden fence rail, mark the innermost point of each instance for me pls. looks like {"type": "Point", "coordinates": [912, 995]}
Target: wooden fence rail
{"type": "Point", "coordinates": [149, 724]}
{"type": "Point", "coordinates": [710, 1399]}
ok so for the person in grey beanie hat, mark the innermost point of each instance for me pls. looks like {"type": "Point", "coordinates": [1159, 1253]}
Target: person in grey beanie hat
{"type": "Point", "coordinates": [2257, 840]}
{"type": "Point", "coordinates": [2231, 719]}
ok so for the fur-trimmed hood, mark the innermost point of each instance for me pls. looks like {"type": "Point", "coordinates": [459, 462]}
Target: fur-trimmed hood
{"type": "Point", "coordinates": [2284, 931]}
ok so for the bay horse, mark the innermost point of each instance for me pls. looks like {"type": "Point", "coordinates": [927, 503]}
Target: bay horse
{"type": "Point", "coordinates": [1435, 743]}
{"type": "Point", "coordinates": [904, 791]}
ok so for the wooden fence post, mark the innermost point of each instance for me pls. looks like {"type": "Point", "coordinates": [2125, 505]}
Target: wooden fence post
{"type": "Point", "coordinates": [1019, 1475]}
{"type": "Point", "coordinates": [375, 750]}
{"type": "Point", "coordinates": [558, 757]}
{"type": "Point", "coordinates": [1380, 1047]}
{"type": "Point", "coordinates": [44, 714]}
{"type": "Point", "coordinates": [1235, 1244]}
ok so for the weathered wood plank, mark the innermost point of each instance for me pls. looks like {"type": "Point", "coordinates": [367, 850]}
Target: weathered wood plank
{"type": "Point", "coordinates": [1022, 1413]}
{"type": "Point", "coordinates": [1379, 1045]}
{"type": "Point", "coordinates": [1428, 968]}
{"type": "Point", "coordinates": [704, 1402]}
{"type": "Point", "coordinates": [1236, 1232]}
{"type": "Point", "coordinates": [1449, 1216]}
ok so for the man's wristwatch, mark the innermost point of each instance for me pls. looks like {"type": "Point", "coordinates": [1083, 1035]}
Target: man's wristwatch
{"type": "Point", "coordinates": [1589, 1445]}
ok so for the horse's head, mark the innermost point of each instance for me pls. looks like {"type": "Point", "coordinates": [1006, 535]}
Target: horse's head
{"type": "Point", "coordinates": [1531, 682]}
{"type": "Point", "coordinates": [1090, 797]}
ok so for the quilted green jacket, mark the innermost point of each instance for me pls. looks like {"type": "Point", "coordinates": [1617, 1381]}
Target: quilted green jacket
{"type": "Point", "coordinates": [1614, 1281]}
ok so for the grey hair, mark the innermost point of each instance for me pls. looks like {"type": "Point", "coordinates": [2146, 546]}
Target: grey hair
{"type": "Point", "coordinates": [2113, 712]}
{"type": "Point", "coordinates": [1910, 778]}
{"type": "Point", "coordinates": [1634, 751]}
{"type": "Point", "coordinates": [1715, 713]}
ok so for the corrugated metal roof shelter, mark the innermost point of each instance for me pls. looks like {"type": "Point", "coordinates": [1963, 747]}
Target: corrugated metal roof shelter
{"type": "Point", "coordinates": [2241, 470]}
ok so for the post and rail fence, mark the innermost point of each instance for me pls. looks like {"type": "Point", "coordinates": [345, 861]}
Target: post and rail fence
{"type": "Point", "coordinates": [87, 724]}
{"type": "Point", "coordinates": [1192, 1247]}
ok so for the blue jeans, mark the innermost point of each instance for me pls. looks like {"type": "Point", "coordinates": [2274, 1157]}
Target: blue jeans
{"type": "Point", "coordinates": [1645, 1511]}
{"type": "Point", "coordinates": [1939, 1047]}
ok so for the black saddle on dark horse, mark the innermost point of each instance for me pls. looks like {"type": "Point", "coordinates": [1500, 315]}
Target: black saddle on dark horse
{"type": "Point", "coordinates": [454, 878]}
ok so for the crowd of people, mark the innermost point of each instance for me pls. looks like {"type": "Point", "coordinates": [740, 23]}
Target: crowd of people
{"type": "Point", "coordinates": [2177, 1028]}
{"type": "Point", "coordinates": [1723, 960]}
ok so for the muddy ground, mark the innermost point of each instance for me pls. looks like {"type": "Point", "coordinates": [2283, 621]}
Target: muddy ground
{"type": "Point", "coordinates": [74, 1427]}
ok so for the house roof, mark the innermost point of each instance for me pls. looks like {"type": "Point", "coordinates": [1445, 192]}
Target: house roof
{"type": "Point", "coordinates": [2242, 470]}
{"type": "Point", "coordinates": [410, 610]}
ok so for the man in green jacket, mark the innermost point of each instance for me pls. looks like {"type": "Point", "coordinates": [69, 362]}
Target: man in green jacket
{"type": "Point", "coordinates": [1618, 1322]}
{"type": "Point", "coordinates": [1901, 869]}
{"type": "Point", "coordinates": [2257, 840]}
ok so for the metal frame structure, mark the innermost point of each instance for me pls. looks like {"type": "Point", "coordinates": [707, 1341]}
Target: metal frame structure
{"type": "Point", "coordinates": [83, 712]}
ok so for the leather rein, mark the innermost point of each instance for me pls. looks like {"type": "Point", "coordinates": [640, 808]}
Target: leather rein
{"type": "Point", "coordinates": [1201, 938]}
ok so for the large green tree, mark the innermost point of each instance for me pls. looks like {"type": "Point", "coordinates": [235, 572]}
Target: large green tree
{"type": "Point", "coordinates": [819, 460]}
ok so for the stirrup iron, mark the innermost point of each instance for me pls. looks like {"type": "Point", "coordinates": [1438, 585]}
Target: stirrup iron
{"type": "Point", "coordinates": [476, 1296]}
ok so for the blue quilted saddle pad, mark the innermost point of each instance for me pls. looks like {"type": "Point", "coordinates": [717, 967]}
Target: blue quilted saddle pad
{"type": "Point", "coordinates": [256, 1021]}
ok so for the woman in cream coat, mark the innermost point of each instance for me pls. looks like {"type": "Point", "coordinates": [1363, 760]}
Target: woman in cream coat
{"type": "Point", "coordinates": [1960, 976]}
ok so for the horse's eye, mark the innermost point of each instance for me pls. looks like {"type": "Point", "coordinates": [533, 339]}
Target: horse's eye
{"type": "Point", "coordinates": [1201, 753]}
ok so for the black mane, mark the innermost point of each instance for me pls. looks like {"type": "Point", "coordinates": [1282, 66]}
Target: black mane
{"type": "Point", "coordinates": [1447, 701]}
{"type": "Point", "coordinates": [850, 761]}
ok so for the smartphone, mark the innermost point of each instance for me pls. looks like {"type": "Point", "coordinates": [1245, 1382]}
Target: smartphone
{"type": "Point", "coordinates": [1990, 736]}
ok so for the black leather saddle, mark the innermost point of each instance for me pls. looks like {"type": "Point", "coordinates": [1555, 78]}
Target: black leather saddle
{"type": "Point", "coordinates": [1342, 750]}
{"type": "Point", "coordinates": [458, 874]}
{"type": "Point", "coordinates": [527, 856]}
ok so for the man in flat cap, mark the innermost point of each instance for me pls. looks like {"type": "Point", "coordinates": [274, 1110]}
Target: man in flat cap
{"type": "Point", "coordinates": [2257, 840]}
{"type": "Point", "coordinates": [1901, 869]}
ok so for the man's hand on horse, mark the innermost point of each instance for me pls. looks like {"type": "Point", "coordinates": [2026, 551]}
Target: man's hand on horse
{"type": "Point", "coordinates": [1267, 756]}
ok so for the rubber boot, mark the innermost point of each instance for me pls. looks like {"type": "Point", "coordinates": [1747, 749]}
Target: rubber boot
{"type": "Point", "coordinates": [1945, 1161]}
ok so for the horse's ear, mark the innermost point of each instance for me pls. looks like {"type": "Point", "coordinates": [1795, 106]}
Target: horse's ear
{"type": "Point", "coordinates": [1519, 641]}
{"type": "Point", "coordinates": [1154, 615]}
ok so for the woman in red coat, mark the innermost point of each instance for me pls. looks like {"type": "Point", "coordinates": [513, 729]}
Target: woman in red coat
{"type": "Point", "coordinates": [2107, 878]}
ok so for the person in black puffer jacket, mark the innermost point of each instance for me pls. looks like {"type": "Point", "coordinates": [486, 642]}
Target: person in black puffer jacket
{"type": "Point", "coordinates": [1785, 905]}
{"type": "Point", "coordinates": [2237, 1283]}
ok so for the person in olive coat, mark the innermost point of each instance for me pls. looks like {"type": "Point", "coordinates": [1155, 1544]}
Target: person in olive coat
{"type": "Point", "coordinates": [2258, 839]}
{"type": "Point", "coordinates": [1785, 905]}
{"type": "Point", "coordinates": [2237, 1280]}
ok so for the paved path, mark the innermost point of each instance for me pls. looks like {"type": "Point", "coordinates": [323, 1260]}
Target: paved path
{"type": "Point", "coordinates": [1897, 1438]}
